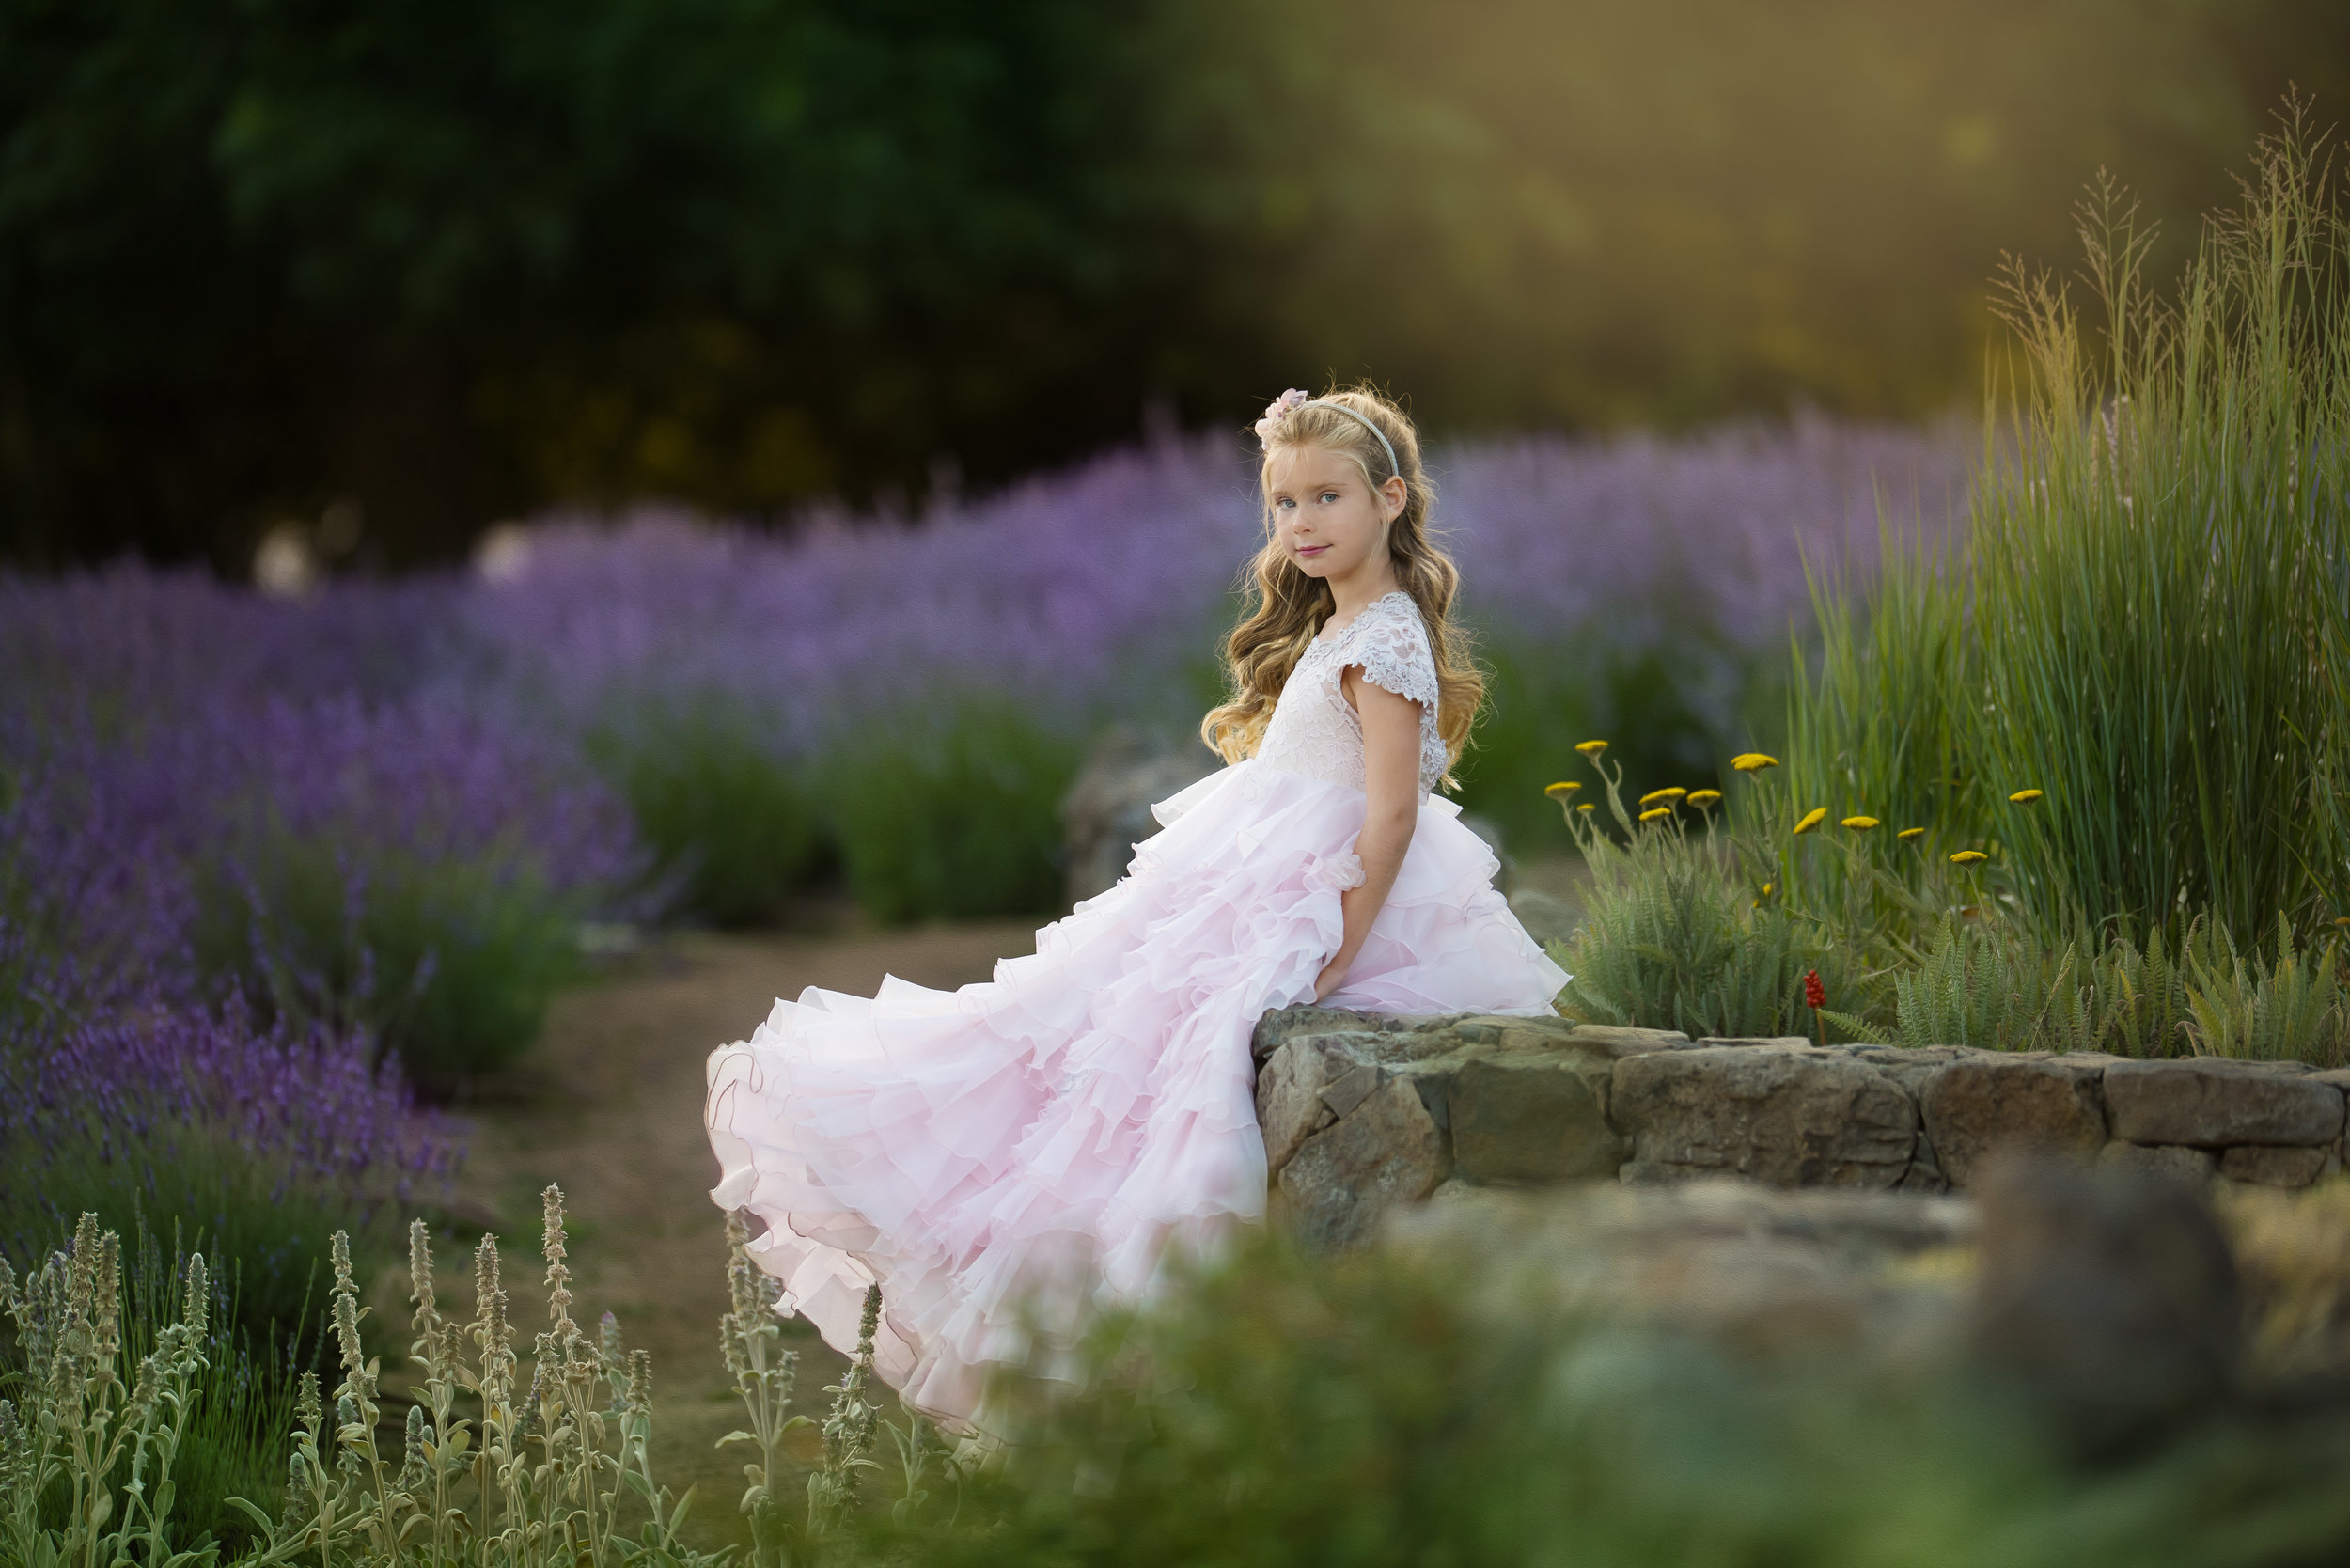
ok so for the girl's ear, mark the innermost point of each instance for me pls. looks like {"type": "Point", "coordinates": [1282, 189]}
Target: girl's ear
{"type": "Point", "coordinates": [1393, 496]}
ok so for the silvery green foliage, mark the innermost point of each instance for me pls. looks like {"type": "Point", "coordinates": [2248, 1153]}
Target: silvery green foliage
{"type": "Point", "coordinates": [764, 1374]}
{"type": "Point", "coordinates": [485, 1475]}
{"type": "Point", "coordinates": [492, 1470]}
{"type": "Point", "coordinates": [77, 1427]}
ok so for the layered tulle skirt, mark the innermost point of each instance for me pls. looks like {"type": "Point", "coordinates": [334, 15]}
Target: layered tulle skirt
{"type": "Point", "coordinates": [1003, 1158]}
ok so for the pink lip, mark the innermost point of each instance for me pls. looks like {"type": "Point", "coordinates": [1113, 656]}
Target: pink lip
{"type": "Point", "coordinates": [1311, 549]}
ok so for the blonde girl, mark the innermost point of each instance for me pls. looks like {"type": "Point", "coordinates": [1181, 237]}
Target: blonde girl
{"type": "Point", "coordinates": [1012, 1155]}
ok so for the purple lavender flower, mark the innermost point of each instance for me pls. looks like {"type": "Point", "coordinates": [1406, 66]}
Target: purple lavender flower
{"type": "Point", "coordinates": [264, 1140]}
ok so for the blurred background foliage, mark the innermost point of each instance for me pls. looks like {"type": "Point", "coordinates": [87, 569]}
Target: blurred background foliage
{"type": "Point", "coordinates": [452, 262]}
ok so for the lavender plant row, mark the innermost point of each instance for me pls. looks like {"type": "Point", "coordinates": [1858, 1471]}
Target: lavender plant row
{"type": "Point", "coordinates": [1083, 589]}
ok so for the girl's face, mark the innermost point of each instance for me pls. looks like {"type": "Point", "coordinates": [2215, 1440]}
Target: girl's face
{"type": "Point", "coordinates": [1329, 520]}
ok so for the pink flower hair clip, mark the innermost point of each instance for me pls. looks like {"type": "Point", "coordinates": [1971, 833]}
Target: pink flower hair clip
{"type": "Point", "coordinates": [1277, 410]}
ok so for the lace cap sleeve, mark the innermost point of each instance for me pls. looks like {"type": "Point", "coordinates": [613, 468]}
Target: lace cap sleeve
{"type": "Point", "coordinates": [1390, 647]}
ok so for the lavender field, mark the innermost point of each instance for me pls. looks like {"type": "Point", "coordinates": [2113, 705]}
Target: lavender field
{"type": "Point", "coordinates": [345, 846]}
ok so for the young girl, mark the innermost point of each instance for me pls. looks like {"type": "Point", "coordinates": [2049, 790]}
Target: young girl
{"type": "Point", "coordinates": [1013, 1153]}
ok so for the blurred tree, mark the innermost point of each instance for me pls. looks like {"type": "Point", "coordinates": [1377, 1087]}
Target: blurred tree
{"type": "Point", "coordinates": [452, 260]}
{"type": "Point", "coordinates": [449, 258]}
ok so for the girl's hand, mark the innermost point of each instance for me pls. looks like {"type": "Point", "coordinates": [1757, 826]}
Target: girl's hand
{"type": "Point", "coordinates": [1333, 976]}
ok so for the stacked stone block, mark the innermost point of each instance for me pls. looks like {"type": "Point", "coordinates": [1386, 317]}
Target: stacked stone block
{"type": "Point", "coordinates": [1362, 1114]}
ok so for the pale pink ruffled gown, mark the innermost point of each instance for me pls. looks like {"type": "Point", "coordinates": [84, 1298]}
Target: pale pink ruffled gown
{"type": "Point", "coordinates": [1045, 1140]}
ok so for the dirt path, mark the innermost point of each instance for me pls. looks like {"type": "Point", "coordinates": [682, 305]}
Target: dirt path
{"type": "Point", "coordinates": [615, 1120]}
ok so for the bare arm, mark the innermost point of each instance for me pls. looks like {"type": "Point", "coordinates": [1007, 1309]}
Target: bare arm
{"type": "Point", "coordinates": [1391, 810]}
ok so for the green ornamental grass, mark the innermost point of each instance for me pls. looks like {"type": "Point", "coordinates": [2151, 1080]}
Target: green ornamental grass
{"type": "Point", "coordinates": [2150, 620]}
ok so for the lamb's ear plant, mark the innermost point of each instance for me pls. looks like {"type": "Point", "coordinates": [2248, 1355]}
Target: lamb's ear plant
{"type": "Point", "coordinates": [492, 1472]}
{"type": "Point", "coordinates": [76, 1433]}
{"type": "Point", "coordinates": [848, 1430]}
{"type": "Point", "coordinates": [764, 1373]}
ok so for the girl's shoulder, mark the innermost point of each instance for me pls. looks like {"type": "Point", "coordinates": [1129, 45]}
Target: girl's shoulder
{"type": "Point", "coordinates": [1392, 617]}
{"type": "Point", "coordinates": [1389, 642]}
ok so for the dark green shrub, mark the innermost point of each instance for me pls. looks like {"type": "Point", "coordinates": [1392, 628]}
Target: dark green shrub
{"type": "Point", "coordinates": [953, 812]}
{"type": "Point", "coordinates": [732, 829]}
{"type": "Point", "coordinates": [1386, 1411]}
{"type": "Point", "coordinates": [450, 962]}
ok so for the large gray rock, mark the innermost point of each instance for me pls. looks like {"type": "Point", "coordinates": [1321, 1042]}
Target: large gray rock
{"type": "Point", "coordinates": [2111, 1301]}
{"type": "Point", "coordinates": [1790, 1116]}
{"type": "Point", "coordinates": [2213, 1103]}
{"type": "Point", "coordinates": [1347, 1177]}
{"type": "Point", "coordinates": [1289, 1093]}
{"type": "Point", "coordinates": [1977, 1106]}
{"type": "Point", "coordinates": [1531, 1115]}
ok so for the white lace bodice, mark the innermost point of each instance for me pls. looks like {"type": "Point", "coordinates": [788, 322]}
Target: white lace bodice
{"type": "Point", "coordinates": [1315, 732]}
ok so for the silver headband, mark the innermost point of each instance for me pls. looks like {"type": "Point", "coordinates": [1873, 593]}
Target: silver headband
{"type": "Point", "coordinates": [1389, 446]}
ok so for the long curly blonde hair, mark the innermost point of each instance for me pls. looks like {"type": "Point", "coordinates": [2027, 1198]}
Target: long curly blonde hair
{"type": "Point", "coordinates": [1288, 607]}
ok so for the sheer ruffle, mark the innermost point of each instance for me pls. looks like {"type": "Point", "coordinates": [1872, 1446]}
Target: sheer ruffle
{"type": "Point", "coordinates": [1048, 1139]}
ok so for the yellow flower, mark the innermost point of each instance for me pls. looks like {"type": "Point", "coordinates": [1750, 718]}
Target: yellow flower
{"type": "Point", "coordinates": [1653, 812]}
{"type": "Point", "coordinates": [1587, 806]}
{"type": "Point", "coordinates": [1704, 798]}
{"type": "Point", "coordinates": [1908, 833]}
{"type": "Point", "coordinates": [1673, 794]}
{"type": "Point", "coordinates": [1564, 787]}
{"type": "Point", "coordinates": [2024, 797]}
{"type": "Point", "coordinates": [1591, 748]}
{"type": "Point", "coordinates": [1969, 857]}
{"type": "Point", "coordinates": [1768, 888]}
{"type": "Point", "coordinates": [1859, 824]}
{"type": "Point", "coordinates": [1811, 819]}
{"type": "Point", "coordinates": [1752, 761]}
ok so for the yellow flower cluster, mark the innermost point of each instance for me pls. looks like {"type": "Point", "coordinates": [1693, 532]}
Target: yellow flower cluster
{"type": "Point", "coordinates": [1657, 805]}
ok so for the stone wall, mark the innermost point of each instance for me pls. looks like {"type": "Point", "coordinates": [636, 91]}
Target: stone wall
{"type": "Point", "coordinates": [1363, 1114]}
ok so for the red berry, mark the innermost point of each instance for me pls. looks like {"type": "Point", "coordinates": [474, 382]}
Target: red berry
{"type": "Point", "coordinates": [1815, 994]}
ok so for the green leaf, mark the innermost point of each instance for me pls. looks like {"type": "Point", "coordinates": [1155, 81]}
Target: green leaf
{"type": "Point", "coordinates": [267, 1524]}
